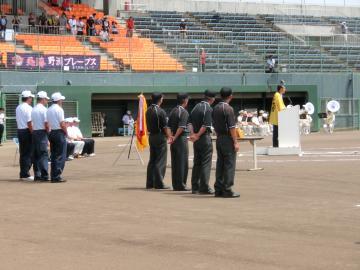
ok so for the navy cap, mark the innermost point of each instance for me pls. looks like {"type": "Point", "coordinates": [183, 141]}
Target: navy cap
{"type": "Point", "coordinates": [225, 92]}
{"type": "Point", "coordinates": [210, 94]}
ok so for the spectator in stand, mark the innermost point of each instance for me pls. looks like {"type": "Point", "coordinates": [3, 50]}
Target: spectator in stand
{"type": "Point", "coordinates": [183, 29]}
{"type": "Point", "coordinates": [2, 124]}
{"type": "Point", "coordinates": [50, 24]}
{"type": "Point", "coordinates": [344, 30]}
{"type": "Point", "coordinates": [54, 3]}
{"type": "Point", "coordinates": [32, 22]}
{"type": "Point", "coordinates": [66, 5]}
{"type": "Point", "coordinates": [114, 29]}
{"type": "Point", "coordinates": [270, 64]}
{"type": "Point", "coordinates": [42, 23]}
{"type": "Point", "coordinates": [203, 59]}
{"type": "Point", "coordinates": [105, 25]}
{"type": "Point", "coordinates": [3, 23]}
{"type": "Point", "coordinates": [16, 23]}
{"type": "Point", "coordinates": [73, 24]}
{"type": "Point", "coordinates": [90, 26]}
{"type": "Point", "coordinates": [130, 26]}
{"type": "Point", "coordinates": [80, 27]}
{"type": "Point", "coordinates": [63, 23]}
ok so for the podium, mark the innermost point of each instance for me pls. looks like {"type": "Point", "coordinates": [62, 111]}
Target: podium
{"type": "Point", "coordinates": [289, 134]}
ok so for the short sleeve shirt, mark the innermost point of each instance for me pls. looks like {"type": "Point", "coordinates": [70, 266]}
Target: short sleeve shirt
{"type": "Point", "coordinates": [223, 118]}
{"type": "Point", "coordinates": [23, 115]}
{"type": "Point", "coordinates": [39, 117]}
{"type": "Point", "coordinates": [2, 118]}
{"type": "Point", "coordinates": [178, 118]}
{"type": "Point", "coordinates": [201, 116]}
{"type": "Point", "coordinates": [156, 119]}
{"type": "Point", "coordinates": [55, 115]}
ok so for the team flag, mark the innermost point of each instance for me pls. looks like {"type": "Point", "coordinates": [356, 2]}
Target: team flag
{"type": "Point", "coordinates": [142, 140]}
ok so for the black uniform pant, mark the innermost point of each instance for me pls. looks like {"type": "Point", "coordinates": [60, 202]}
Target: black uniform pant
{"type": "Point", "coordinates": [275, 136]}
{"type": "Point", "coordinates": [89, 147]}
{"type": "Point", "coordinates": [25, 149]}
{"type": "Point", "coordinates": [157, 164]}
{"type": "Point", "coordinates": [58, 153]}
{"type": "Point", "coordinates": [1, 132]}
{"type": "Point", "coordinates": [70, 147]}
{"type": "Point", "coordinates": [225, 164]}
{"type": "Point", "coordinates": [179, 162]}
{"type": "Point", "coordinates": [40, 154]}
{"type": "Point", "coordinates": [203, 150]}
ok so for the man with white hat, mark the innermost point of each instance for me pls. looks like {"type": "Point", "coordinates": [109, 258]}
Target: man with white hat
{"type": "Point", "coordinates": [73, 138]}
{"type": "Point", "coordinates": [89, 147]}
{"type": "Point", "coordinates": [40, 137]}
{"type": "Point", "coordinates": [24, 130]}
{"type": "Point", "coordinates": [57, 137]}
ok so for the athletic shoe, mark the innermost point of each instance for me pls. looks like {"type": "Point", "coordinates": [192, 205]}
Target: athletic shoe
{"type": "Point", "coordinates": [30, 178]}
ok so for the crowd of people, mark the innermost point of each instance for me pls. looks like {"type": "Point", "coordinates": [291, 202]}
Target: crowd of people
{"type": "Point", "coordinates": [40, 126]}
{"type": "Point", "coordinates": [55, 24]}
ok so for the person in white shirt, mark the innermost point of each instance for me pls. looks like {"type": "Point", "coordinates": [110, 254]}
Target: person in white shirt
{"type": "Point", "coordinates": [73, 138]}
{"type": "Point", "coordinates": [73, 25]}
{"type": "Point", "coordinates": [2, 124]}
{"type": "Point", "coordinates": [80, 25]}
{"type": "Point", "coordinates": [24, 130]}
{"type": "Point", "coordinates": [89, 147]}
{"type": "Point", "coordinates": [40, 137]}
{"type": "Point", "coordinates": [128, 122]}
{"type": "Point", "coordinates": [57, 137]}
{"type": "Point", "coordinates": [270, 63]}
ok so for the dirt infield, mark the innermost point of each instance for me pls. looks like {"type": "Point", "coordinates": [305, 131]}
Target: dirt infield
{"type": "Point", "coordinates": [298, 213]}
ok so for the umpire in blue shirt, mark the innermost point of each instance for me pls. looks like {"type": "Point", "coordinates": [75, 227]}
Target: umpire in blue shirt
{"type": "Point", "coordinates": [40, 137]}
{"type": "Point", "coordinates": [226, 145]}
{"type": "Point", "coordinates": [178, 121]}
{"type": "Point", "coordinates": [158, 134]}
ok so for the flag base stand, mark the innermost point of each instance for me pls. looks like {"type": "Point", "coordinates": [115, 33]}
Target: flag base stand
{"type": "Point", "coordinates": [130, 146]}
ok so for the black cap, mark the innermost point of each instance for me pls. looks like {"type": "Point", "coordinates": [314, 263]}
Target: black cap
{"type": "Point", "coordinates": [182, 96]}
{"type": "Point", "coordinates": [209, 94]}
{"type": "Point", "coordinates": [226, 92]}
{"type": "Point", "coordinates": [156, 96]}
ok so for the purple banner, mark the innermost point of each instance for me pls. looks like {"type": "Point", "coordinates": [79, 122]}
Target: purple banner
{"type": "Point", "coordinates": [33, 61]}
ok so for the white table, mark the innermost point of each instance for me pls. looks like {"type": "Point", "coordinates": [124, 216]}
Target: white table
{"type": "Point", "coordinates": [252, 140]}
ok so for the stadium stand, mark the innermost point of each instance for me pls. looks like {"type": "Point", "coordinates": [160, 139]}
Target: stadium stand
{"type": "Point", "coordinates": [232, 42]}
{"type": "Point", "coordinates": [222, 55]}
{"type": "Point", "coordinates": [258, 36]}
{"type": "Point", "coordinates": [136, 53]}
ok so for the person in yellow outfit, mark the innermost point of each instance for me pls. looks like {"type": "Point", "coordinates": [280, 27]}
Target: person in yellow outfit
{"type": "Point", "coordinates": [277, 105]}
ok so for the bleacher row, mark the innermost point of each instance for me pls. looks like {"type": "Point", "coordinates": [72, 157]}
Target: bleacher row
{"type": "Point", "coordinates": [233, 43]}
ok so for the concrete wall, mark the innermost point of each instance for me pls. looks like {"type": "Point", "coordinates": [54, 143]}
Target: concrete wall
{"type": "Point", "coordinates": [231, 7]}
{"type": "Point", "coordinates": [251, 8]}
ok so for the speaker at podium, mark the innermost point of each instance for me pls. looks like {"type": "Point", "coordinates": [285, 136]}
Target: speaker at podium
{"type": "Point", "coordinates": [289, 134]}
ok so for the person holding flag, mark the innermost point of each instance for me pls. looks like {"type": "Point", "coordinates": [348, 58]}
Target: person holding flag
{"type": "Point", "coordinates": [159, 134]}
